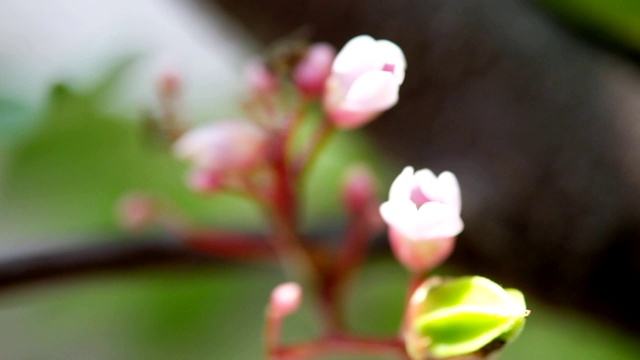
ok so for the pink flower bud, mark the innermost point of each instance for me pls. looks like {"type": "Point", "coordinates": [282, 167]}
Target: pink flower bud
{"type": "Point", "coordinates": [170, 84]}
{"type": "Point", "coordinates": [311, 73]}
{"type": "Point", "coordinates": [285, 299]}
{"type": "Point", "coordinates": [205, 181]}
{"type": "Point", "coordinates": [222, 146]}
{"type": "Point", "coordinates": [359, 189]}
{"type": "Point", "coordinates": [260, 79]}
{"type": "Point", "coordinates": [137, 211]}
{"type": "Point", "coordinates": [365, 80]}
{"type": "Point", "coordinates": [423, 215]}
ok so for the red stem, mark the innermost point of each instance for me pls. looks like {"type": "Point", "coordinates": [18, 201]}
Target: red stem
{"type": "Point", "coordinates": [350, 257]}
{"type": "Point", "coordinates": [272, 331]}
{"type": "Point", "coordinates": [285, 186]}
{"type": "Point", "coordinates": [347, 345]}
{"type": "Point", "coordinates": [306, 161]}
{"type": "Point", "coordinates": [231, 245]}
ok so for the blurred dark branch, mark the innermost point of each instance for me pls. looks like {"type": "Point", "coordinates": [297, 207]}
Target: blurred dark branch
{"type": "Point", "coordinates": [201, 249]}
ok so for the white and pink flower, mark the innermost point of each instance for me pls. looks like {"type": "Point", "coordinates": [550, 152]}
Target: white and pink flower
{"type": "Point", "coordinates": [423, 215]}
{"type": "Point", "coordinates": [365, 80]}
{"type": "Point", "coordinates": [223, 146]}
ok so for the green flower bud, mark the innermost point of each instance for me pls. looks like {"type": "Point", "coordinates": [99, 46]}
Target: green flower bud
{"type": "Point", "coordinates": [449, 318]}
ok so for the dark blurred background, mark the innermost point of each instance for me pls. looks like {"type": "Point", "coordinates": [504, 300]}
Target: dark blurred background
{"type": "Point", "coordinates": [534, 105]}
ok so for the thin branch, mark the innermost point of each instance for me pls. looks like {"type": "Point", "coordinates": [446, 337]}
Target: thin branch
{"type": "Point", "coordinates": [341, 345]}
{"type": "Point", "coordinates": [206, 248]}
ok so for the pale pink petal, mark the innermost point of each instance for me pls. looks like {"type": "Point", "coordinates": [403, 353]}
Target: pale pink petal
{"type": "Point", "coordinates": [390, 53]}
{"type": "Point", "coordinates": [402, 185]}
{"type": "Point", "coordinates": [195, 143]}
{"type": "Point", "coordinates": [450, 190]}
{"type": "Point", "coordinates": [356, 57]}
{"type": "Point", "coordinates": [427, 183]}
{"type": "Point", "coordinates": [437, 220]}
{"type": "Point", "coordinates": [402, 216]}
{"type": "Point", "coordinates": [372, 92]}
{"type": "Point", "coordinates": [229, 144]}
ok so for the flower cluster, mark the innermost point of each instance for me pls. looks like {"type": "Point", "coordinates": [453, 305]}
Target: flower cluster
{"type": "Point", "coordinates": [255, 157]}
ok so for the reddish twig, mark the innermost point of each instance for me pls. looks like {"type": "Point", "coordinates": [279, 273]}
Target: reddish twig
{"type": "Point", "coordinates": [337, 344]}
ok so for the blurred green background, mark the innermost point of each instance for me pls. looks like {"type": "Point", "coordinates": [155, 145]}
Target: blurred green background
{"type": "Point", "coordinates": [69, 152]}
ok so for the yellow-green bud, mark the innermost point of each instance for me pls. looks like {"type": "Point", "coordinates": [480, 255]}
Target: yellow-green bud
{"type": "Point", "coordinates": [448, 318]}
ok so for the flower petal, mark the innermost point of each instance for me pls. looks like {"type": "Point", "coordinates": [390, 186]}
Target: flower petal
{"type": "Point", "coordinates": [355, 57]}
{"type": "Point", "coordinates": [402, 186]}
{"type": "Point", "coordinates": [373, 91]}
{"type": "Point", "coordinates": [450, 190]}
{"type": "Point", "coordinates": [390, 53]}
{"type": "Point", "coordinates": [437, 220]}
{"type": "Point", "coordinates": [225, 144]}
{"type": "Point", "coordinates": [427, 183]}
{"type": "Point", "coordinates": [402, 216]}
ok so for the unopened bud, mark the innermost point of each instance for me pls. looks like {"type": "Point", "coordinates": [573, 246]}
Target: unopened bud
{"type": "Point", "coordinates": [205, 181]}
{"type": "Point", "coordinates": [260, 79]}
{"type": "Point", "coordinates": [311, 73]}
{"type": "Point", "coordinates": [137, 211]}
{"type": "Point", "coordinates": [359, 189]}
{"type": "Point", "coordinates": [170, 85]}
{"type": "Point", "coordinates": [285, 299]}
{"type": "Point", "coordinates": [461, 316]}
{"type": "Point", "coordinates": [365, 80]}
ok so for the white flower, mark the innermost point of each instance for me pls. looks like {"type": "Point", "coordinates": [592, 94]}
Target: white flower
{"type": "Point", "coordinates": [223, 146]}
{"type": "Point", "coordinates": [365, 80]}
{"type": "Point", "coordinates": [423, 215]}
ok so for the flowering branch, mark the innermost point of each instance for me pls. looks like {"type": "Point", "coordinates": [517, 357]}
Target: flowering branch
{"type": "Point", "coordinates": [461, 318]}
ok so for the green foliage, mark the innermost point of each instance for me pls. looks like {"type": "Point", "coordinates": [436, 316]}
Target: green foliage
{"type": "Point", "coordinates": [15, 122]}
{"type": "Point", "coordinates": [68, 172]}
{"type": "Point", "coordinates": [618, 21]}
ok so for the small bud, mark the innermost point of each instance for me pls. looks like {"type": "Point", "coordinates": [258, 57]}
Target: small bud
{"type": "Point", "coordinates": [359, 189]}
{"type": "Point", "coordinates": [311, 73]}
{"type": "Point", "coordinates": [285, 299]}
{"type": "Point", "coordinates": [137, 211]}
{"type": "Point", "coordinates": [169, 85]}
{"type": "Point", "coordinates": [423, 215]}
{"type": "Point", "coordinates": [222, 146]}
{"type": "Point", "coordinates": [365, 80]}
{"type": "Point", "coordinates": [260, 79]}
{"type": "Point", "coordinates": [205, 181]}
{"type": "Point", "coordinates": [456, 317]}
